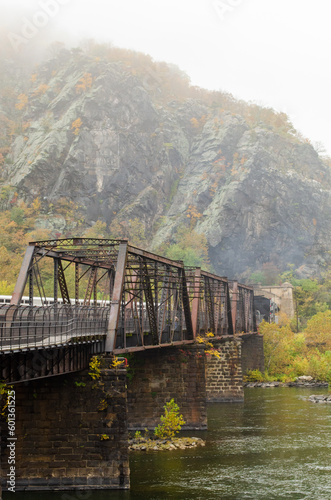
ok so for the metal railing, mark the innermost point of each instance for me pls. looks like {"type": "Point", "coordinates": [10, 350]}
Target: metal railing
{"type": "Point", "coordinates": [30, 327]}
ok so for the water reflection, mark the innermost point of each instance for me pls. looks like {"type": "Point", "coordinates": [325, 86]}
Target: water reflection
{"type": "Point", "coordinates": [274, 446]}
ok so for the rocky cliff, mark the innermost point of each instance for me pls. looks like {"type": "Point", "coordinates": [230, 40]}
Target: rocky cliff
{"type": "Point", "coordinates": [124, 138]}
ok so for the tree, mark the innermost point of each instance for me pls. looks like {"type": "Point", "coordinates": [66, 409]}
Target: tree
{"type": "Point", "coordinates": [318, 331]}
{"type": "Point", "coordinates": [171, 420]}
{"type": "Point", "coordinates": [190, 247]}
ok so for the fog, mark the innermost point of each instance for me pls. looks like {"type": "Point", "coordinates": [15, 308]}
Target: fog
{"type": "Point", "coordinates": [272, 52]}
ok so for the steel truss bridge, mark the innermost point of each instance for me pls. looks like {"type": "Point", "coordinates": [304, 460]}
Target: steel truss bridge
{"type": "Point", "coordinates": [109, 297]}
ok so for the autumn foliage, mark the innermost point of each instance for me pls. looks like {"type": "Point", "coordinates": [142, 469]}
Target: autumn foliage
{"type": "Point", "coordinates": [289, 355]}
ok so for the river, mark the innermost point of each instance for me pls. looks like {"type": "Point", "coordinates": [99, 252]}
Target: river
{"type": "Point", "coordinates": [274, 446]}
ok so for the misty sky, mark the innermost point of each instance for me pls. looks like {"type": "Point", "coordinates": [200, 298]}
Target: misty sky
{"type": "Point", "coordinates": [272, 52]}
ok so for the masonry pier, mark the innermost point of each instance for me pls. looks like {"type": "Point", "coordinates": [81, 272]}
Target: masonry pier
{"type": "Point", "coordinates": [71, 433]}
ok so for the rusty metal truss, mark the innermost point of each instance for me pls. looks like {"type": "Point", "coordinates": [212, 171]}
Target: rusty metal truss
{"type": "Point", "coordinates": [242, 304]}
{"type": "Point", "coordinates": [135, 299]}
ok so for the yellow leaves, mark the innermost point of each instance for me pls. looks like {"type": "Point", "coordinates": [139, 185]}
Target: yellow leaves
{"type": "Point", "coordinates": [118, 363]}
{"type": "Point", "coordinates": [95, 368]}
{"type": "Point", "coordinates": [209, 349]}
{"type": "Point", "coordinates": [102, 405]}
{"type": "Point", "coordinates": [98, 230]}
{"type": "Point", "coordinates": [75, 126]}
{"type": "Point", "coordinates": [36, 205]}
{"type": "Point", "coordinates": [6, 288]}
{"type": "Point", "coordinates": [84, 83]}
{"type": "Point", "coordinates": [213, 352]}
{"type": "Point", "coordinates": [200, 340]}
{"type": "Point", "coordinates": [318, 330]}
{"type": "Point", "coordinates": [22, 101]}
{"type": "Point", "coordinates": [33, 77]}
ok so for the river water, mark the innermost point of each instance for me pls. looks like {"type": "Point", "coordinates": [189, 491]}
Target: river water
{"type": "Point", "coordinates": [276, 445]}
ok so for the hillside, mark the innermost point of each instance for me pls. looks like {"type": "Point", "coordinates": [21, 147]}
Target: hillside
{"type": "Point", "coordinates": [107, 140]}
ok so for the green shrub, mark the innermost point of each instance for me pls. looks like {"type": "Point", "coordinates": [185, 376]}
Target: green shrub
{"type": "Point", "coordinates": [171, 421]}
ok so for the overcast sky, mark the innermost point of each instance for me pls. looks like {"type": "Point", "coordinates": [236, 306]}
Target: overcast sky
{"type": "Point", "coordinates": [273, 52]}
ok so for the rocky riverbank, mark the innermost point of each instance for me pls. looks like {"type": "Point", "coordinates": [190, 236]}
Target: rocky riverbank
{"type": "Point", "coordinates": [304, 381]}
{"type": "Point", "coordinates": [320, 398]}
{"type": "Point", "coordinates": [148, 444]}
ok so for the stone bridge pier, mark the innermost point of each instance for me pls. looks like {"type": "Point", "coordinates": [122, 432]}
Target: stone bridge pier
{"type": "Point", "coordinates": [71, 433]}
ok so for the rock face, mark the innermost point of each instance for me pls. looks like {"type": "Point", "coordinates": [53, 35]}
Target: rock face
{"type": "Point", "coordinates": [121, 146]}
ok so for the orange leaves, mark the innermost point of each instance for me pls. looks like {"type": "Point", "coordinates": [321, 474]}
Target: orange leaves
{"type": "Point", "coordinates": [212, 189]}
{"type": "Point", "coordinates": [75, 126]}
{"type": "Point", "coordinates": [198, 123]}
{"type": "Point", "coordinates": [84, 83]}
{"type": "Point", "coordinates": [192, 213]}
{"type": "Point", "coordinates": [41, 90]}
{"type": "Point", "coordinates": [194, 123]}
{"type": "Point", "coordinates": [22, 101]}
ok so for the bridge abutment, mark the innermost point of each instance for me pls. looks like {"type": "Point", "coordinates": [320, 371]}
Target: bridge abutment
{"type": "Point", "coordinates": [71, 433]}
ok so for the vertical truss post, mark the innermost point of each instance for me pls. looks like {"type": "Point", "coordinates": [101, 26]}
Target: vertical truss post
{"type": "Point", "coordinates": [95, 294]}
{"type": "Point", "coordinates": [165, 292]}
{"type": "Point", "coordinates": [156, 296]}
{"type": "Point", "coordinates": [254, 325]}
{"type": "Point", "coordinates": [76, 283]}
{"type": "Point", "coordinates": [234, 305]}
{"type": "Point", "coordinates": [56, 280]}
{"type": "Point", "coordinates": [149, 303]}
{"type": "Point", "coordinates": [116, 297]}
{"type": "Point", "coordinates": [186, 305]}
{"type": "Point", "coordinates": [195, 301]}
{"type": "Point", "coordinates": [23, 276]}
{"type": "Point", "coordinates": [31, 287]}
{"type": "Point", "coordinates": [218, 306]}
{"type": "Point", "coordinates": [210, 304]}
